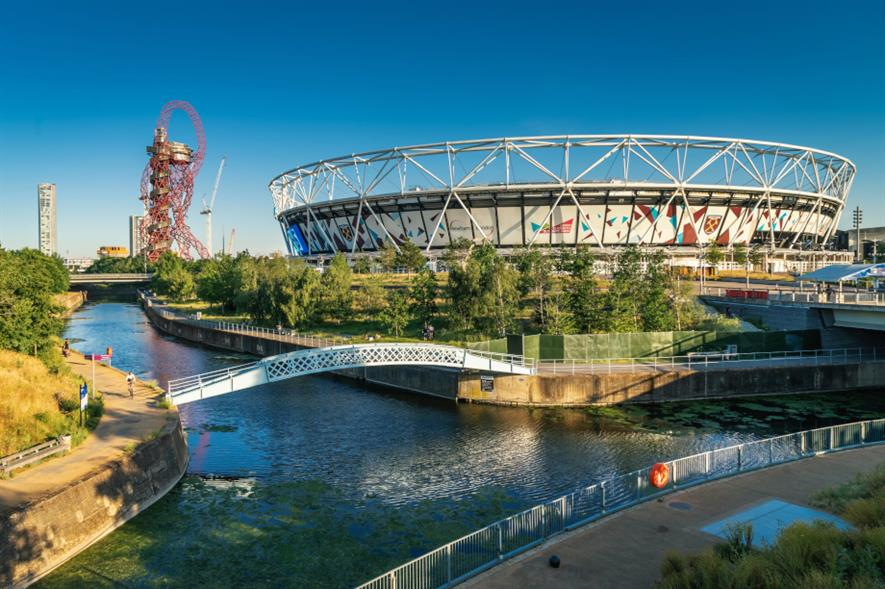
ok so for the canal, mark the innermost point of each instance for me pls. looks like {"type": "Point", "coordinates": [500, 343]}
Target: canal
{"type": "Point", "coordinates": [319, 482]}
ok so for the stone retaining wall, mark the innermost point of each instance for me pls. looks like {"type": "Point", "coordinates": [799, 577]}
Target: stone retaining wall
{"type": "Point", "coordinates": [659, 387]}
{"type": "Point", "coordinates": [44, 533]}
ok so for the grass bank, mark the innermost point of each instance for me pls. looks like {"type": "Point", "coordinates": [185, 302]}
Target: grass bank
{"type": "Point", "coordinates": [805, 555]}
{"type": "Point", "coordinates": [38, 403]}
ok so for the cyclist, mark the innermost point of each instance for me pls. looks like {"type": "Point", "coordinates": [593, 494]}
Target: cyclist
{"type": "Point", "coordinates": [130, 382]}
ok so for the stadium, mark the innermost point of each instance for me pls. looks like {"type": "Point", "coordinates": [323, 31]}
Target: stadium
{"type": "Point", "coordinates": [607, 191]}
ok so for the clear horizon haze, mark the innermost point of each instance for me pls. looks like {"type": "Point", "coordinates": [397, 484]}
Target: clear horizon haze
{"type": "Point", "coordinates": [283, 84]}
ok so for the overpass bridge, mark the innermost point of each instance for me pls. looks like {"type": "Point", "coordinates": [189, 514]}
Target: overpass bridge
{"type": "Point", "coordinates": [121, 278]}
{"type": "Point", "coordinates": [332, 358]}
{"type": "Point", "coordinates": [849, 309]}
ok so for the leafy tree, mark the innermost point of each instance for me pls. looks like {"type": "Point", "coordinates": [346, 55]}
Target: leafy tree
{"type": "Point", "coordinates": [625, 307]}
{"type": "Point", "coordinates": [409, 256]}
{"type": "Point", "coordinates": [396, 315]}
{"type": "Point", "coordinates": [584, 299]}
{"type": "Point", "coordinates": [285, 292]}
{"type": "Point", "coordinates": [424, 291]}
{"type": "Point", "coordinates": [741, 257]}
{"type": "Point", "coordinates": [337, 298]}
{"type": "Point", "coordinates": [134, 265]}
{"type": "Point", "coordinates": [756, 256]}
{"type": "Point", "coordinates": [482, 288]}
{"type": "Point", "coordinates": [656, 295]}
{"type": "Point", "coordinates": [535, 278]}
{"type": "Point", "coordinates": [29, 316]}
{"type": "Point", "coordinates": [172, 278]}
{"type": "Point", "coordinates": [713, 256]}
{"type": "Point", "coordinates": [362, 265]}
{"type": "Point", "coordinates": [370, 297]}
{"type": "Point", "coordinates": [559, 319]}
{"type": "Point", "coordinates": [387, 256]}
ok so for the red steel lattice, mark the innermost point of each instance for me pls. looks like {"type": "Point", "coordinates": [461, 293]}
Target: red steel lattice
{"type": "Point", "coordinates": [167, 187]}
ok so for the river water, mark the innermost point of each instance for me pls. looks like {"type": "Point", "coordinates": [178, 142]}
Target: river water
{"type": "Point", "coordinates": [320, 482]}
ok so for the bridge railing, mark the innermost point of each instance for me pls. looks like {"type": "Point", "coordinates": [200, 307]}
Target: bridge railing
{"type": "Point", "coordinates": [196, 381]}
{"type": "Point", "coordinates": [799, 296]}
{"type": "Point", "coordinates": [705, 360]}
{"type": "Point", "coordinates": [469, 555]}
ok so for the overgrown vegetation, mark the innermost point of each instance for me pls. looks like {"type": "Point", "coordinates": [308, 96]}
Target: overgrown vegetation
{"type": "Point", "coordinates": [483, 294]}
{"type": "Point", "coordinates": [37, 404]}
{"type": "Point", "coordinates": [804, 555]}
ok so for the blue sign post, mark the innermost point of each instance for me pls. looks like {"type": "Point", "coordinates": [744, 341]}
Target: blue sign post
{"type": "Point", "coordinates": [84, 400]}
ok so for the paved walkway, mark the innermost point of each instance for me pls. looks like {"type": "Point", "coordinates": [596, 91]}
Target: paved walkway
{"type": "Point", "coordinates": [625, 550]}
{"type": "Point", "coordinates": [125, 422]}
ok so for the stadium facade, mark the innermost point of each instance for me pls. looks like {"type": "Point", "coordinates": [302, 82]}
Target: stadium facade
{"type": "Point", "coordinates": [607, 191]}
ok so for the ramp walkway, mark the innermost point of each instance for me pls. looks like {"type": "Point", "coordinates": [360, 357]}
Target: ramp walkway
{"type": "Point", "coordinates": [627, 550]}
{"type": "Point", "coordinates": [332, 358]}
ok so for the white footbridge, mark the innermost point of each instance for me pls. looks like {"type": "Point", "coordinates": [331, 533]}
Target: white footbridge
{"type": "Point", "coordinates": [317, 360]}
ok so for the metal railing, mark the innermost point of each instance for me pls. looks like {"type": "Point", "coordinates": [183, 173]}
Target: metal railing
{"type": "Point", "coordinates": [34, 454]}
{"type": "Point", "coordinates": [802, 297]}
{"type": "Point", "coordinates": [465, 557]}
{"type": "Point", "coordinates": [206, 378]}
{"type": "Point", "coordinates": [705, 360]}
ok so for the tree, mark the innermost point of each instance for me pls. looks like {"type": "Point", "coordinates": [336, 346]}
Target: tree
{"type": "Point", "coordinates": [172, 278]}
{"type": "Point", "coordinates": [713, 256]}
{"type": "Point", "coordinates": [535, 278]}
{"type": "Point", "coordinates": [409, 256]}
{"type": "Point", "coordinates": [656, 295]}
{"type": "Point", "coordinates": [387, 256]}
{"type": "Point", "coordinates": [370, 297]}
{"type": "Point", "coordinates": [740, 256]}
{"type": "Point", "coordinates": [625, 307]}
{"type": "Point", "coordinates": [423, 292]}
{"type": "Point", "coordinates": [362, 265]}
{"type": "Point", "coordinates": [755, 256]}
{"type": "Point", "coordinates": [285, 292]}
{"type": "Point", "coordinates": [337, 298]}
{"type": "Point", "coordinates": [29, 316]}
{"type": "Point", "coordinates": [584, 299]}
{"type": "Point", "coordinates": [395, 315]}
{"type": "Point", "coordinates": [482, 288]}
{"type": "Point", "coordinates": [559, 319]}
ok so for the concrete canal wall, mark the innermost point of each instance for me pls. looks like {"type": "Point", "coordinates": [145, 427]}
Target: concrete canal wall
{"type": "Point", "coordinates": [660, 387]}
{"type": "Point", "coordinates": [43, 533]}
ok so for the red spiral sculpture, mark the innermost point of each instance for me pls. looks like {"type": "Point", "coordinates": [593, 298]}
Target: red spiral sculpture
{"type": "Point", "coordinates": [167, 188]}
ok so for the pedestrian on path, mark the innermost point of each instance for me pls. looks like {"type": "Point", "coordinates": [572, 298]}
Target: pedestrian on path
{"type": "Point", "coordinates": [130, 382]}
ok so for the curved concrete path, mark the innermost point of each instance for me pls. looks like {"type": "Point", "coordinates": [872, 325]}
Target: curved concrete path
{"type": "Point", "coordinates": [125, 422]}
{"type": "Point", "coordinates": [626, 549]}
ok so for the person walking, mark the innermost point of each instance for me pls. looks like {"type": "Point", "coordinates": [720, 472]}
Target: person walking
{"type": "Point", "coordinates": [130, 382]}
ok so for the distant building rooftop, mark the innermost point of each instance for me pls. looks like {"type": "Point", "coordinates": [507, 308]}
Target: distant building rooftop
{"type": "Point", "coordinates": [845, 272]}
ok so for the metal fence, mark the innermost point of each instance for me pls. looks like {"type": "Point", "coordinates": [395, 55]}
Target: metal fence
{"type": "Point", "coordinates": [467, 556]}
{"type": "Point", "coordinates": [803, 297]}
{"type": "Point", "coordinates": [705, 360]}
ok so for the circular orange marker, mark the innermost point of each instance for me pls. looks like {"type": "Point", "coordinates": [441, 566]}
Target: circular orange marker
{"type": "Point", "coordinates": [659, 475]}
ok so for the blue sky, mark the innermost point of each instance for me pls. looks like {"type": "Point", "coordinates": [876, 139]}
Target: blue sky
{"type": "Point", "coordinates": [81, 85]}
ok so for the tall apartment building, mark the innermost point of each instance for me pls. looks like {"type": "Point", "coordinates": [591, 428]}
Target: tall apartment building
{"type": "Point", "coordinates": [136, 241]}
{"type": "Point", "coordinates": [48, 238]}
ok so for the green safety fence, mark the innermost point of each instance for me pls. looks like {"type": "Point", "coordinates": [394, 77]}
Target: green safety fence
{"type": "Point", "coordinates": [650, 344]}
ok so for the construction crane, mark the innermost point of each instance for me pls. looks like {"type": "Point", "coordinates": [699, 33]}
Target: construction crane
{"type": "Point", "coordinates": [207, 209]}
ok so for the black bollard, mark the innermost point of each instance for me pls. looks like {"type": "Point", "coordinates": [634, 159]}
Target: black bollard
{"type": "Point", "coordinates": [554, 561]}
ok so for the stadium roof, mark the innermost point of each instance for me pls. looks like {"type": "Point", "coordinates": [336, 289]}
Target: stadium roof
{"type": "Point", "coordinates": [843, 272]}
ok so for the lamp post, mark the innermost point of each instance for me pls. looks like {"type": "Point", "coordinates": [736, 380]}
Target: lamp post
{"type": "Point", "coordinates": [857, 218]}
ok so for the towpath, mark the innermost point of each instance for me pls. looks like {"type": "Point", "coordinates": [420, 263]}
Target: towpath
{"type": "Point", "coordinates": [626, 549]}
{"type": "Point", "coordinates": [125, 423]}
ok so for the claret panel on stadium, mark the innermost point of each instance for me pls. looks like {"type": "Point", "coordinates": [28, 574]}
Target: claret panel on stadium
{"type": "Point", "coordinates": [607, 191]}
